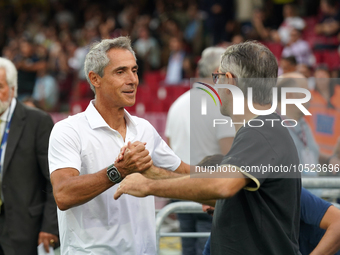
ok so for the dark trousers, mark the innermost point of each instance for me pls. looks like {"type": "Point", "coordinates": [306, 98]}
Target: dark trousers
{"type": "Point", "coordinates": [194, 222]}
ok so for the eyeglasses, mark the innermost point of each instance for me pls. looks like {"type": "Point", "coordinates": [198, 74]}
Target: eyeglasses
{"type": "Point", "coordinates": [215, 76]}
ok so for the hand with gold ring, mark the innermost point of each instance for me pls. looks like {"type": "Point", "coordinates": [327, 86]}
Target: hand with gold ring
{"type": "Point", "coordinates": [49, 240]}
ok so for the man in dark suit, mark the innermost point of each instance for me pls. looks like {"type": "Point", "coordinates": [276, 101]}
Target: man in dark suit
{"type": "Point", "coordinates": [28, 211]}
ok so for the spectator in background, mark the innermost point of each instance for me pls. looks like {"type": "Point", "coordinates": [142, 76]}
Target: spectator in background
{"type": "Point", "coordinates": [106, 28]}
{"type": "Point", "coordinates": [147, 51]}
{"type": "Point", "coordinates": [234, 40]}
{"type": "Point", "coordinates": [307, 148]}
{"type": "Point", "coordinates": [28, 211]}
{"type": "Point", "coordinates": [169, 29]}
{"type": "Point", "coordinates": [261, 25]}
{"type": "Point", "coordinates": [193, 144]}
{"type": "Point", "coordinates": [81, 89]}
{"type": "Point", "coordinates": [237, 39]}
{"type": "Point", "coordinates": [63, 17]}
{"type": "Point", "coordinates": [29, 101]}
{"type": "Point", "coordinates": [57, 59]}
{"type": "Point", "coordinates": [244, 13]}
{"type": "Point", "coordinates": [142, 21]}
{"type": "Point", "coordinates": [299, 49]}
{"type": "Point", "coordinates": [28, 64]}
{"type": "Point", "coordinates": [306, 71]}
{"type": "Point", "coordinates": [302, 135]}
{"type": "Point", "coordinates": [189, 67]}
{"type": "Point", "coordinates": [220, 16]}
{"type": "Point", "coordinates": [325, 110]}
{"type": "Point", "coordinates": [175, 73]}
{"type": "Point", "coordinates": [291, 21]}
{"type": "Point", "coordinates": [193, 32]}
{"type": "Point", "coordinates": [46, 92]}
{"type": "Point", "coordinates": [287, 65]}
{"type": "Point", "coordinates": [329, 23]}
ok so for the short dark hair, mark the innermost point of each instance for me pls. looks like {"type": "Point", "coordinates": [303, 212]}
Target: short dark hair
{"type": "Point", "coordinates": [290, 59]}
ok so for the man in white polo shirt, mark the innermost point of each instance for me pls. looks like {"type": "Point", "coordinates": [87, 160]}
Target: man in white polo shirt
{"type": "Point", "coordinates": [82, 154]}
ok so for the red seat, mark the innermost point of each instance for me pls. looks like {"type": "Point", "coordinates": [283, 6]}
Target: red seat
{"type": "Point", "coordinates": [144, 94]}
{"type": "Point", "coordinates": [329, 57]}
{"type": "Point", "coordinates": [310, 22]}
{"type": "Point", "coordinates": [276, 48]}
{"type": "Point", "coordinates": [155, 106]}
{"type": "Point", "coordinates": [332, 59]}
{"type": "Point", "coordinates": [152, 79]}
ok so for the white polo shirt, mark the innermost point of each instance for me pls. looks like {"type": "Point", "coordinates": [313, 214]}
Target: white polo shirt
{"type": "Point", "coordinates": [103, 225]}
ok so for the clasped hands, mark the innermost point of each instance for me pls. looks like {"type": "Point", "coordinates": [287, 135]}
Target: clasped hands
{"type": "Point", "coordinates": [133, 158]}
{"type": "Point", "coordinates": [132, 161]}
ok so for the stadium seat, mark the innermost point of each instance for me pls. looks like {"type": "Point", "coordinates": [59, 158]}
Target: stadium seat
{"type": "Point", "coordinates": [276, 48]}
{"type": "Point", "coordinates": [329, 57]}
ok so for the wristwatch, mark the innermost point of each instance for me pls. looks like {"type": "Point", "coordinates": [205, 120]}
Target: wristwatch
{"type": "Point", "coordinates": [113, 174]}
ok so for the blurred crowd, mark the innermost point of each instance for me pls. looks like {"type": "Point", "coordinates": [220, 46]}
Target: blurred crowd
{"type": "Point", "coordinates": [48, 40]}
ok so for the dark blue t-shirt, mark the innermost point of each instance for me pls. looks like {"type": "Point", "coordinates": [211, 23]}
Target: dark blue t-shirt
{"type": "Point", "coordinates": [312, 211]}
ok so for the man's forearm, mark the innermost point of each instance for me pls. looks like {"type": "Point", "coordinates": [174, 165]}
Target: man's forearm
{"type": "Point", "coordinates": [197, 189]}
{"type": "Point", "coordinates": [329, 244]}
{"type": "Point", "coordinates": [80, 189]}
{"type": "Point", "coordinates": [186, 188]}
{"type": "Point", "coordinates": [157, 173]}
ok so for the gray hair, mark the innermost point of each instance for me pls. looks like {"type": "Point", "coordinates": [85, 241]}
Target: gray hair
{"type": "Point", "coordinates": [252, 60]}
{"type": "Point", "coordinates": [11, 74]}
{"type": "Point", "coordinates": [96, 59]}
{"type": "Point", "coordinates": [211, 59]}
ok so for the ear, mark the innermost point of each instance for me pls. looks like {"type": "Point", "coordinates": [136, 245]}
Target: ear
{"type": "Point", "coordinates": [230, 78]}
{"type": "Point", "coordinates": [95, 79]}
{"type": "Point", "coordinates": [228, 75]}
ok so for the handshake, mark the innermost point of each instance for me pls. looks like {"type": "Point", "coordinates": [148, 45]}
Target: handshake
{"type": "Point", "coordinates": [133, 158]}
{"type": "Point", "coordinates": [134, 163]}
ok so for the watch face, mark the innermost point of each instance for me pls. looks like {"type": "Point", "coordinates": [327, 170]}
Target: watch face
{"type": "Point", "coordinates": [113, 174]}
